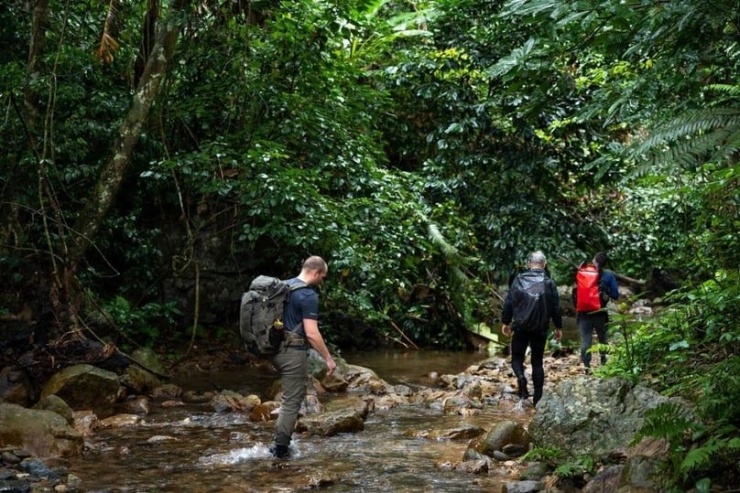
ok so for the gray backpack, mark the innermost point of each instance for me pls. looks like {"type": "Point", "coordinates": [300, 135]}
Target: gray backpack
{"type": "Point", "coordinates": [261, 312]}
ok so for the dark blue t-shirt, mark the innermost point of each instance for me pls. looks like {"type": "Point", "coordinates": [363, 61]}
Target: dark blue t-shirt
{"type": "Point", "coordinates": [302, 303]}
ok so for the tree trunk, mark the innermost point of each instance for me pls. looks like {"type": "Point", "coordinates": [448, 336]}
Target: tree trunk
{"type": "Point", "coordinates": [104, 193]}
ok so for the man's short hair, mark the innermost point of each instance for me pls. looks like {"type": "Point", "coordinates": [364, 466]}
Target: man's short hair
{"type": "Point", "coordinates": [537, 258]}
{"type": "Point", "coordinates": [315, 262]}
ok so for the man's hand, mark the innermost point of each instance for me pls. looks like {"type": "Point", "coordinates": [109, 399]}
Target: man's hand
{"type": "Point", "coordinates": [506, 330]}
{"type": "Point", "coordinates": [330, 366]}
{"type": "Point", "coordinates": [558, 334]}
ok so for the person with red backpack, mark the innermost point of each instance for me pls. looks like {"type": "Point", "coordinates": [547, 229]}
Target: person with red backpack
{"type": "Point", "coordinates": [530, 304]}
{"type": "Point", "coordinates": [594, 287]}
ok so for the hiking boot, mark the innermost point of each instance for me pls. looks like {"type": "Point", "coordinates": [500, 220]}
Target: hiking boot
{"type": "Point", "coordinates": [280, 451]}
{"type": "Point", "coordinates": [523, 392]}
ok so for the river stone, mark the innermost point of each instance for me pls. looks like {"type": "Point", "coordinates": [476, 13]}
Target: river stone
{"type": "Point", "coordinates": [230, 401]}
{"type": "Point", "coordinates": [605, 481]}
{"type": "Point", "coordinates": [589, 415]}
{"type": "Point", "coordinates": [140, 377]}
{"type": "Point", "coordinates": [86, 422]}
{"type": "Point", "coordinates": [167, 391]}
{"type": "Point", "coordinates": [638, 474]}
{"type": "Point", "coordinates": [120, 421]}
{"type": "Point", "coordinates": [535, 471]}
{"type": "Point", "coordinates": [265, 411]}
{"type": "Point", "coordinates": [473, 467]}
{"type": "Point", "coordinates": [134, 405]}
{"type": "Point", "coordinates": [503, 434]}
{"type": "Point", "coordinates": [462, 433]}
{"type": "Point", "coordinates": [38, 469]}
{"type": "Point", "coordinates": [521, 487]}
{"type": "Point", "coordinates": [56, 404]}
{"type": "Point", "coordinates": [332, 423]}
{"type": "Point", "coordinates": [85, 387]}
{"type": "Point", "coordinates": [42, 433]}
{"type": "Point", "coordinates": [14, 486]}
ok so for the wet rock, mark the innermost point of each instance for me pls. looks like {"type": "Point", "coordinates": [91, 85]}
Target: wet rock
{"type": "Point", "coordinates": [462, 433]}
{"type": "Point", "coordinates": [136, 405]}
{"type": "Point", "coordinates": [334, 383]}
{"type": "Point", "coordinates": [142, 376]}
{"type": "Point", "coordinates": [638, 474]}
{"type": "Point", "coordinates": [167, 391]}
{"type": "Point", "coordinates": [14, 486]}
{"type": "Point", "coordinates": [194, 397]}
{"type": "Point", "coordinates": [522, 487]}
{"type": "Point", "coordinates": [85, 422]}
{"type": "Point", "coordinates": [473, 467]}
{"type": "Point", "coordinates": [229, 401]}
{"type": "Point", "coordinates": [120, 421]}
{"type": "Point", "coordinates": [311, 405]}
{"type": "Point", "coordinates": [332, 423]}
{"type": "Point", "coordinates": [499, 456]}
{"type": "Point", "coordinates": [535, 471]}
{"type": "Point", "coordinates": [515, 449]}
{"type": "Point", "coordinates": [472, 454]}
{"type": "Point", "coordinates": [391, 401]}
{"type": "Point", "coordinates": [172, 404]}
{"type": "Point", "coordinates": [74, 481]}
{"type": "Point", "coordinates": [56, 404]}
{"type": "Point", "coordinates": [42, 433]}
{"type": "Point", "coordinates": [265, 411]}
{"type": "Point", "coordinates": [605, 481]}
{"type": "Point", "coordinates": [161, 438]}
{"type": "Point", "coordinates": [503, 434]}
{"type": "Point", "coordinates": [10, 458]}
{"type": "Point", "coordinates": [85, 387]}
{"type": "Point", "coordinates": [457, 403]}
{"type": "Point", "coordinates": [38, 469]}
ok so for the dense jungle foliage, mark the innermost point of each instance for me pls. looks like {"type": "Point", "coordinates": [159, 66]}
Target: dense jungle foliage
{"type": "Point", "coordinates": [157, 155]}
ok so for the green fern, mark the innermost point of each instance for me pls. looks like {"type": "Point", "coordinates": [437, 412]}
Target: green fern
{"type": "Point", "coordinates": [695, 137]}
{"type": "Point", "coordinates": [668, 421]}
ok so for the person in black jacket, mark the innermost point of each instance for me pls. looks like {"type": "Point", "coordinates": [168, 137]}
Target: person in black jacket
{"type": "Point", "coordinates": [528, 336]}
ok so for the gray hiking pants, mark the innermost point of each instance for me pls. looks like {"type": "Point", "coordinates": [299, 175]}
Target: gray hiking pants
{"type": "Point", "coordinates": [587, 323]}
{"type": "Point", "coordinates": [293, 366]}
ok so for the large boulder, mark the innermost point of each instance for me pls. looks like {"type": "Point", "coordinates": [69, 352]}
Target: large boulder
{"type": "Point", "coordinates": [589, 415]}
{"type": "Point", "coordinates": [85, 387]}
{"type": "Point", "coordinates": [43, 433]}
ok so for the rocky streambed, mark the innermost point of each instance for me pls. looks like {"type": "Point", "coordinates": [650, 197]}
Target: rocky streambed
{"type": "Point", "coordinates": [94, 430]}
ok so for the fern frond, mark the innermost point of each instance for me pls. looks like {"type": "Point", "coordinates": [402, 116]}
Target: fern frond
{"type": "Point", "coordinates": [667, 420]}
{"type": "Point", "coordinates": [697, 458]}
{"type": "Point", "coordinates": [108, 46]}
{"type": "Point", "coordinates": [730, 90]}
{"type": "Point", "coordinates": [692, 138]}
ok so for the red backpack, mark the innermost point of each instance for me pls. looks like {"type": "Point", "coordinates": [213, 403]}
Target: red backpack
{"type": "Point", "coordinates": [586, 294]}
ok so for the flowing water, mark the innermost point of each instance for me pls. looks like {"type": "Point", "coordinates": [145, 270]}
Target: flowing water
{"type": "Point", "coordinates": [192, 449]}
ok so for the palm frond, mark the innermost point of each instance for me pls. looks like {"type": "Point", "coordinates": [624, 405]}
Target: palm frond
{"type": "Point", "coordinates": [439, 240]}
{"type": "Point", "coordinates": [108, 45]}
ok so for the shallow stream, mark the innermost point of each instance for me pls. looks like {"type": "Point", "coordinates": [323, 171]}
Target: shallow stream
{"type": "Point", "coordinates": [193, 449]}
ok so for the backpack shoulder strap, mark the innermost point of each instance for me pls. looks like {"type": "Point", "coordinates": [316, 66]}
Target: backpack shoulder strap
{"type": "Point", "coordinates": [298, 285]}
